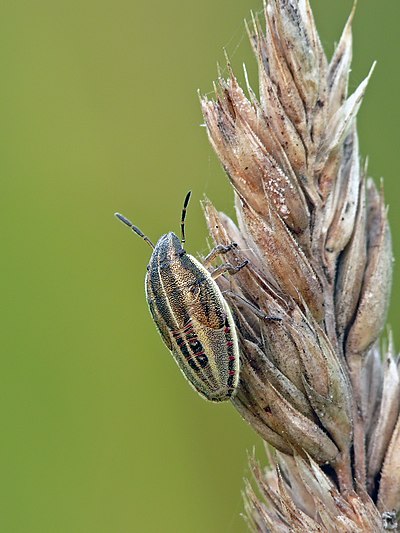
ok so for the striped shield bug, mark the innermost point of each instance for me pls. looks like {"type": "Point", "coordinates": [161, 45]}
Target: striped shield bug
{"type": "Point", "coordinates": [191, 314]}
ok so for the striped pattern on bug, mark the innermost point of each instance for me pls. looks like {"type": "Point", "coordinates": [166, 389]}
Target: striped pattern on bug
{"type": "Point", "coordinates": [192, 315]}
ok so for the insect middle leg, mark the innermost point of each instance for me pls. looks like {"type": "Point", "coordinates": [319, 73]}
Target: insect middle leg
{"type": "Point", "coordinates": [227, 267]}
{"type": "Point", "coordinates": [220, 249]}
{"type": "Point", "coordinates": [258, 312]}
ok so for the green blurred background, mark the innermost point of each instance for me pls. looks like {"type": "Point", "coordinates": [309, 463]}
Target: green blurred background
{"type": "Point", "coordinates": [99, 112]}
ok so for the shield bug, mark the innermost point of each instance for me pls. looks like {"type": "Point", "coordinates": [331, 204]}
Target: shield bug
{"type": "Point", "coordinates": [191, 314]}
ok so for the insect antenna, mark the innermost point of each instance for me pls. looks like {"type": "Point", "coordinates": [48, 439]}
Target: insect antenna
{"type": "Point", "coordinates": [134, 228]}
{"type": "Point", "coordinates": [185, 204]}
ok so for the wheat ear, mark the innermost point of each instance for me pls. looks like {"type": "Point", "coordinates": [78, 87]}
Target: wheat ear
{"type": "Point", "coordinates": [311, 304]}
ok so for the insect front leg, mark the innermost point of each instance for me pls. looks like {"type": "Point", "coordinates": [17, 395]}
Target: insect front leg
{"type": "Point", "coordinates": [220, 249]}
{"type": "Point", "coordinates": [228, 268]}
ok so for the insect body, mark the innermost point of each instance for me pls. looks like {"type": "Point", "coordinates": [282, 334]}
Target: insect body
{"type": "Point", "coordinates": [192, 315]}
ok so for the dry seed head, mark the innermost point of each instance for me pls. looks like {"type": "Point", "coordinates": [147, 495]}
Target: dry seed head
{"type": "Point", "coordinates": [315, 230]}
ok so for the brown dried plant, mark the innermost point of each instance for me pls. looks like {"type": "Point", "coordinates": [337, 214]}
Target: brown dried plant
{"type": "Point", "coordinates": [312, 302]}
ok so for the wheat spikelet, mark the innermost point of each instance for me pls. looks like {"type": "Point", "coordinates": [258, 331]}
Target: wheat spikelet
{"type": "Point", "coordinates": [314, 382]}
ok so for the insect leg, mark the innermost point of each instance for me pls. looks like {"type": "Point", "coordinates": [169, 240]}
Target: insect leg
{"type": "Point", "coordinates": [218, 250]}
{"type": "Point", "coordinates": [255, 309]}
{"type": "Point", "coordinates": [227, 267]}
